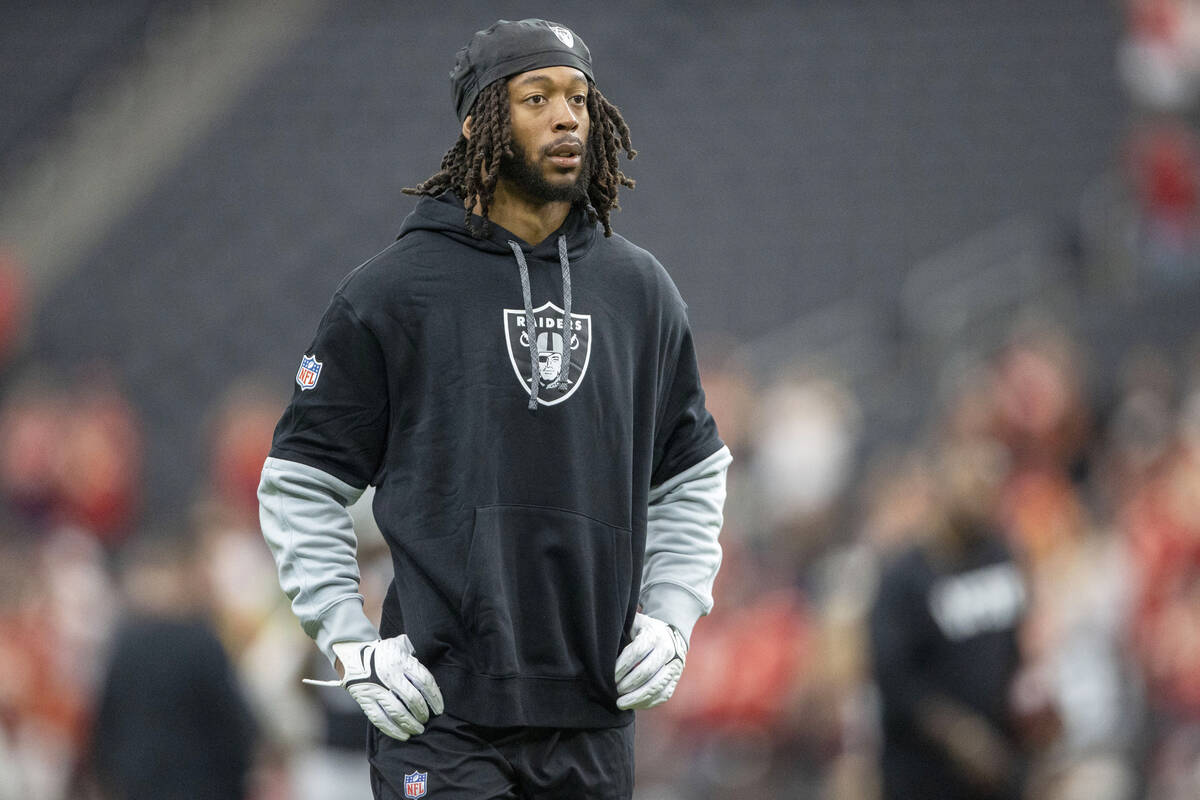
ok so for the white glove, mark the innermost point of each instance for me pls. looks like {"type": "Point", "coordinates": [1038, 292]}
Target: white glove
{"type": "Point", "coordinates": [649, 667]}
{"type": "Point", "coordinates": [395, 690]}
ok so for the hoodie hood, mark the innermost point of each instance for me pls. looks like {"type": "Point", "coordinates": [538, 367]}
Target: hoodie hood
{"type": "Point", "coordinates": [444, 214]}
{"type": "Point", "coordinates": [572, 240]}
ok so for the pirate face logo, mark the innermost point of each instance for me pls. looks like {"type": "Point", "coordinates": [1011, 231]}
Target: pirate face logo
{"type": "Point", "coordinates": [549, 346]}
{"type": "Point", "coordinates": [549, 338]}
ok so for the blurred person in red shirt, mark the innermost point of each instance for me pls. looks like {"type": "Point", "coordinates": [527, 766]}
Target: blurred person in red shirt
{"type": "Point", "coordinates": [1163, 523]}
{"type": "Point", "coordinates": [32, 441]}
{"type": "Point", "coordinates": [71, 457]}
{"type": "Point", "coordinates": [239, 431]}
{"type": "Point", "coordinates": [100, 479]}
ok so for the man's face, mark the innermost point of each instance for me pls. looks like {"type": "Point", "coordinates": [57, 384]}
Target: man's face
{"type": "Point", "coordinates": [549, 364]}
{"type": "Point", "coordinates": [550, 126]}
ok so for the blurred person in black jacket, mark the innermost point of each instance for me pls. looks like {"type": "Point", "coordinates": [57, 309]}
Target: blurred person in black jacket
{"type": "Point", "coordinates": [943, 633]}
{"type": "Point", "coordinates": [171, 720]}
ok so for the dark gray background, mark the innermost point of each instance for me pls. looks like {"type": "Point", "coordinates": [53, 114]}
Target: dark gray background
{"type": "Point", "coordinates": [791, 155]}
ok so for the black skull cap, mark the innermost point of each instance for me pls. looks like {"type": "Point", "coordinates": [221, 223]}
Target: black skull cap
{"type": "Point", "coordinates": [508, 48]}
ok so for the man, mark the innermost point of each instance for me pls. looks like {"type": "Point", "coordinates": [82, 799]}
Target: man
{"type": "Point", "coordinates": [171, 719]}
{"type": "Point", "coordinates": [944, 640]}
{"type": "Point", "coordinates": [529, 512]}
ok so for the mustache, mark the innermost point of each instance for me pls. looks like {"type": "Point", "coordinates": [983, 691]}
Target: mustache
{"type": "Point", "coordinates": [573, 141]}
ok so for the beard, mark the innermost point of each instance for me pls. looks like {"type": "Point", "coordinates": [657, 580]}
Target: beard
{"type": "Point", "coordinates": [526, 177]}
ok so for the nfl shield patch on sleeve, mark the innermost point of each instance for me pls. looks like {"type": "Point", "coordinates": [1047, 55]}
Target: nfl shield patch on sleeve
{"type": "Point", "coordinates": [414, 784]}
{"type": "Point", "coordinates": [309, 372]}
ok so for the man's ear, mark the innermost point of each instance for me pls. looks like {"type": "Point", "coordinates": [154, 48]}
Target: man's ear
{"type": "Point", "coordinates": [466, 127]}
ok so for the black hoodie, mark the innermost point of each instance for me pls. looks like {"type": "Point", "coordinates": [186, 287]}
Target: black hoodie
{"type": "Point", "coordinates": [517, 536]}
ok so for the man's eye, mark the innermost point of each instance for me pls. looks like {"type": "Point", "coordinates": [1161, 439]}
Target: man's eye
{"type": "Point", "coordinates": [579, 99]}
{"type": "Point", "coordinates": [536, 99]}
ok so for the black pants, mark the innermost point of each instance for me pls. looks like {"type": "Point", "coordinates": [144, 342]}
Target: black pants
{"type": "Point", "coordinates": [455, 760]}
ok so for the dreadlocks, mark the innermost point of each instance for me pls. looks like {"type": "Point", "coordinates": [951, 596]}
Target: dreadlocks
{"type": "Point", "coordinates": [472, 166]}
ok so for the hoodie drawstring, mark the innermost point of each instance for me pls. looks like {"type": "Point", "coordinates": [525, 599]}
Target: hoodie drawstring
{"type": "Point", "coordinates": [562, 380]}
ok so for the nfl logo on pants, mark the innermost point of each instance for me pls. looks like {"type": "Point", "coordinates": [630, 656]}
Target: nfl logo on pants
{"type": "Point", "coordinates": [414, 784]}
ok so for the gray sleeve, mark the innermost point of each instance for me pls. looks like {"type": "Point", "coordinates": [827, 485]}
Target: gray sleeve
{"type": "Point", "coordinates": [682, 551]}
{"type": "Point", "coordinates": [311, 536]}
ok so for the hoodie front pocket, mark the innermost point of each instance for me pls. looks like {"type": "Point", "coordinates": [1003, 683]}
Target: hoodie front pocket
{"type": "Point", "coordinates": [547, 591]}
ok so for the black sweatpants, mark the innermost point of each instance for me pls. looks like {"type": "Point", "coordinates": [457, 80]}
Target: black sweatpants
{"type": "Point", "coordinates": [455, 760]}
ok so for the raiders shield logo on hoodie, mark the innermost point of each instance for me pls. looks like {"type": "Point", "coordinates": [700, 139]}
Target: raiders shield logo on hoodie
{"type": "Point", "coordinates": [549, 341]}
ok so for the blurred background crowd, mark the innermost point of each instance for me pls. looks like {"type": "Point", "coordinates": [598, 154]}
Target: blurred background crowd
{"type": "Point", "coordinates": [937, 258]}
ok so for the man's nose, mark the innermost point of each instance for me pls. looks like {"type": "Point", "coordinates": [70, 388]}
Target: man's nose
{"type": "Point", "coordinates": [567, 118]}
